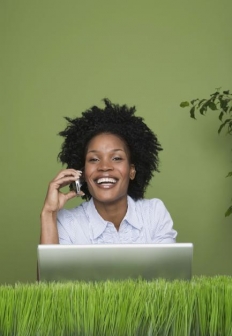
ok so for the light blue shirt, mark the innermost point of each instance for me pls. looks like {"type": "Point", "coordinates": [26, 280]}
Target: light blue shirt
{"type": "Point", "coordinates": [146, 222]}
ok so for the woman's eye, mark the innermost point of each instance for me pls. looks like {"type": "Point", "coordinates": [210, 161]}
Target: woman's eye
{"type": "Point", "coordinates": [117, 158]}
{"type": "Point", "coordinates": [93, 160]}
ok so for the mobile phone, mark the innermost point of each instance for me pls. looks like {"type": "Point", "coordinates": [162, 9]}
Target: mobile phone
{"type": "Point", "coordinates": [76, 185]}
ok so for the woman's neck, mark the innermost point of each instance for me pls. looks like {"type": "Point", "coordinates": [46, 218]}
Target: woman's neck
{"type": "Point", "coordinates": [112, 212]}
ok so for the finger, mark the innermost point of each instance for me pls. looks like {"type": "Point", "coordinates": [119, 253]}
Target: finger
{"type": "Point", "coordinates": [68, 173]}
{"type": "Point", "coordinates": [63, 177]}
{"type": "Point", "coordinates": [81, 193]}
{"type": "Point", "coordinates": [62, 182]}
{"type": "Point", "coordinates": [70, 195]}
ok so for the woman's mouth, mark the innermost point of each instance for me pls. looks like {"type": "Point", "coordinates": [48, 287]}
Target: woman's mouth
{"type": "Point", "coordinates": [106, 182]}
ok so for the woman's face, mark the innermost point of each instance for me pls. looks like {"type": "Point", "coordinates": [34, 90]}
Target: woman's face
{"type": "Point", "coordinates": [107, 168]}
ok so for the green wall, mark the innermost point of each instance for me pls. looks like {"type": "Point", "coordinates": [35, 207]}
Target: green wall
{"type": "Point", "coordinates": [60, 57]}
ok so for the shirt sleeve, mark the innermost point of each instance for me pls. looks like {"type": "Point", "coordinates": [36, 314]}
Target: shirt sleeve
{"type": "Point", "coordinates": [162, 223]}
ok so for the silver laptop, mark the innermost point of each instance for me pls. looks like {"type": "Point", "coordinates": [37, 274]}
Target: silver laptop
{"type": "Point", "coordinates": [115, 262]}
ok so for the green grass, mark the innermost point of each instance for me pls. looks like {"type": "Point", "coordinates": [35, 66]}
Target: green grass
{"type": "Point", "coordinates": [202, 307]}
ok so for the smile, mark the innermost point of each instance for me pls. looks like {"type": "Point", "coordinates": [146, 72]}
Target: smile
{"type": "Point", "coordinates": [106, 180]}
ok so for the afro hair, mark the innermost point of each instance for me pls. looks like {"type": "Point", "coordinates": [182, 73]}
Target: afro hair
{"type": "Point", "coordinates": [121, 121]}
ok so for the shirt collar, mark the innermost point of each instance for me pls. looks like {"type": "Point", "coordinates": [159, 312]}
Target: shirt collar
{"type": "Point", "coordinates": [131, 215]}
{"type": "Point", "coordinates": [98, 224]}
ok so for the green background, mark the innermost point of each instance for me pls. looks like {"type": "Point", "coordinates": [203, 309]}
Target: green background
{"type": "Point", "coordinates": [59, 58]}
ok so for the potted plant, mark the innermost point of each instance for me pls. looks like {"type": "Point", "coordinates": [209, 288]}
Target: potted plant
{"type": "Point", "coordinates": [220, 101]}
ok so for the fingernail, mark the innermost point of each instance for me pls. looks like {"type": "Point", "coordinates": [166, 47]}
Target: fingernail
{"type": "Point", "coordinates": [80, 194]}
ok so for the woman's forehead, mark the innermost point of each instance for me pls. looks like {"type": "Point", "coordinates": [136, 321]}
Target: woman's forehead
{"type": "Point", "coordinates": [107, 142]}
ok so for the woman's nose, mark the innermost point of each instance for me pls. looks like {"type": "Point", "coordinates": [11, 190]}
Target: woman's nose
{"type": "Point", "coordinates": [105, 165]}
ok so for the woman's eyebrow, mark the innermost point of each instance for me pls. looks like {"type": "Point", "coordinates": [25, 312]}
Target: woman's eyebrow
{"type": "Point", "coordinates": [112, 150]}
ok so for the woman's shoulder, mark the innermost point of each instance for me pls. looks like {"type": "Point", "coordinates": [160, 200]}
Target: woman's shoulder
{"type": "Point", "coordinates": [150, 207]}
{"type": "Point", "coordinates": [145, 202]}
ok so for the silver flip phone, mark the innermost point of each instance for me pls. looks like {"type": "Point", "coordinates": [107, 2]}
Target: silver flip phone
{"type": "Point", "coordinates": [76, 185]}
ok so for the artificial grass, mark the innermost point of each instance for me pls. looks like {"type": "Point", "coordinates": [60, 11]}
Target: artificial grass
{"type": "Point", "coordinates": [201, 307]}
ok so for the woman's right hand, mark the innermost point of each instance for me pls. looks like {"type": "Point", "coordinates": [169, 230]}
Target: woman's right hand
{"type": "Point", "coordinates": [55, 199]}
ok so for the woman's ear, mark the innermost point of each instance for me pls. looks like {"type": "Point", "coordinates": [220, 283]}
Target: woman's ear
{"type": "Point", "coordinates": [132, 172]}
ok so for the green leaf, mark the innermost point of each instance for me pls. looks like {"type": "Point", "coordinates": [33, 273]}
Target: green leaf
{"type": "Point", "coordinates": [192, 112]}
{"type": "Point", "coordinates": [230, 129]}
{"type": "Point", "coordinates": [226, 92]}
{"type": "Point", "coordinates": [193, 101]}
{"type": "Point", "coordinates": [223, 125]}
{"type": "Point", "coordinates": [184, 104]}
{"type": "Point", "coordinates": [221, 115]}
{"type": "Point", "coordinates": [229, 174]}
{"type": "Point", "coordinates": [224, 103]}
{"type": "Point", "coordinates": [212, 106]}
{"type": "Point", "coordinates": [215, 93]}
{"type": "Point", "coordinates": [228, 211]}
{"type": "Point", "coordinates": [200, 102]}
{"type": "Point", "coordinates": [203, 109]}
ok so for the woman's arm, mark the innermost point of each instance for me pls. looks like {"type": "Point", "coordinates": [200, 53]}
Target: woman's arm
{"type": "Point", "coordinates": [162, 223]}
{"type": "Point", "coordinates": [54, 201]}
{"type": "Point", "coordinates": [49, 232]}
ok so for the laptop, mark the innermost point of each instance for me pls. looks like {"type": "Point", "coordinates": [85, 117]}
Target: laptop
{"type": "Point", "coordinates": [115, 262]}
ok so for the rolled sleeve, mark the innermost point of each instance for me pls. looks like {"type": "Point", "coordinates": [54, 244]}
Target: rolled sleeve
{"type": "Point", "coordinates": [162, 224]}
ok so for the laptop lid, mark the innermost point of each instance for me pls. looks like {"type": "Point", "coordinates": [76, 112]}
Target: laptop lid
{"type": "Point", "coordinates": [115, 262]}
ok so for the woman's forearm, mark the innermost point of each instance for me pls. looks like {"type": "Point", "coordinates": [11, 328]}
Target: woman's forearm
{"type": "Point", "coordinates": [49, 232]}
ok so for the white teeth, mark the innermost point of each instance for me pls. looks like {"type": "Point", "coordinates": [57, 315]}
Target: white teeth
{"type": "Point", "coordinates": [106, 180]}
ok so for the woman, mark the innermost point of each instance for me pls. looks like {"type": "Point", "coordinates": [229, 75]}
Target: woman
{"type": "Point", "coordinates": [115, 154]}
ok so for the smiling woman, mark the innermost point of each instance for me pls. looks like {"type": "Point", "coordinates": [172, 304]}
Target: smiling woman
{"type": "Point", "coordinates": [115, 154]}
